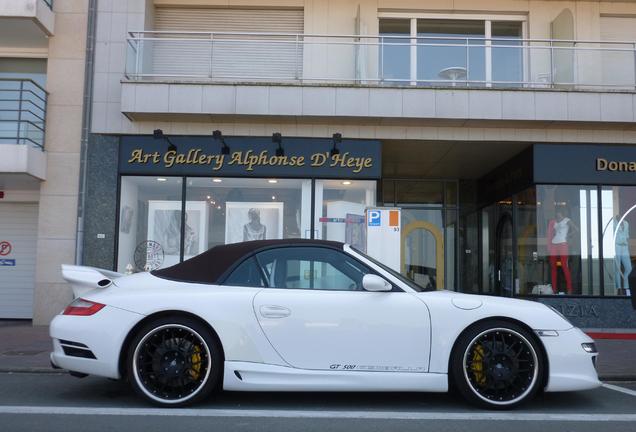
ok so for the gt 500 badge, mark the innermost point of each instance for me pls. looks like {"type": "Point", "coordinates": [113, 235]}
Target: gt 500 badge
{"type": "Point", "coordinates": [337, 366]}
{"type": "Point", "coordinates": [341, 366]}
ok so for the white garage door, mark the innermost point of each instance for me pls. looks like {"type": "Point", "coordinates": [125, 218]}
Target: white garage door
{"type": "Point", "coordinates": [18, 238]}
{"type": "Point", "coordinates": [230, 56]}
{"type": "Point", "coordinates": [618, 64]}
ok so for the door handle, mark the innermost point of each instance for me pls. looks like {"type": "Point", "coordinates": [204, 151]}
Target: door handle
{"type": "Point", "coordinates": [272, 311]}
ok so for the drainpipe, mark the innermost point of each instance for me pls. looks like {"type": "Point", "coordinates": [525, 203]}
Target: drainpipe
{"type": "Point", "coordinates": [86, 127]}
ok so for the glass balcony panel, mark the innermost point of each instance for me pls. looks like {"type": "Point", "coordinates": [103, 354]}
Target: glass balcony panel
{"type": "Point", "coordinates": [507, 53]}
{"type": "Point", "coordinates": [395, 50]}
{"type": "Point", "coordinates": [443, 55]}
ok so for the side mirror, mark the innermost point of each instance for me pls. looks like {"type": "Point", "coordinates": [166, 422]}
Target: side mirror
{"type": "Point", "coordinates": [375, 283]}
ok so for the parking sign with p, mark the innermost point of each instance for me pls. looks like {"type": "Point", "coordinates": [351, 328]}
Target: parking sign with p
{"type": "Point", "coordinates": [374, 218]}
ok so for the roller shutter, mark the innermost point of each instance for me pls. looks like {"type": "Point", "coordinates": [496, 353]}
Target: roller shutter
{"type": "Point", "coordinates": [18, 239]}
{"type": "Point", "coordinates": [227, 56]}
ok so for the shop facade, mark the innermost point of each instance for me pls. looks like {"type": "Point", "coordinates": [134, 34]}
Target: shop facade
{"type": "Point", "coordinates": [534, 227]}
{"type": "Point", "coordinates": [181, 195]}
{"type": "Point", "coordinates": [553, 224]}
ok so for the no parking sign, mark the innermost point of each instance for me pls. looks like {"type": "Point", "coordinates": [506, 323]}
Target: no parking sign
{"type": "Point", "coordinates": [5, 248]}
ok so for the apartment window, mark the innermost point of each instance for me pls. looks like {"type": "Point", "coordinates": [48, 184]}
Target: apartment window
{"type": "Point", "coordinates": [460, 51]}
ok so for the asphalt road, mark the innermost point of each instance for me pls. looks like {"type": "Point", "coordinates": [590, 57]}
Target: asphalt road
{"type": "Point", "coordinates": [58, 402]}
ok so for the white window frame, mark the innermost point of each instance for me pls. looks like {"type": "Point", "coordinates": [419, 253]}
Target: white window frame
{"type": "Point", "coordinates": [488, 20]}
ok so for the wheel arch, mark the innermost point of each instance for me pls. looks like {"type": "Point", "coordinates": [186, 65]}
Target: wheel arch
{"type": "Point", "coordinates": [179, 313]}
{"type": "Point", "coordinates": [533, 335]}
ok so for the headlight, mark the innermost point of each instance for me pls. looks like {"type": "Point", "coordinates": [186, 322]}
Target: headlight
{"type": "Point", "coordinates": [589, 347]}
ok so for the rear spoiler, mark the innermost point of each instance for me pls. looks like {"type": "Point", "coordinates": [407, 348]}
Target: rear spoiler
{"type": "Point", "coordinates": [84, 279]}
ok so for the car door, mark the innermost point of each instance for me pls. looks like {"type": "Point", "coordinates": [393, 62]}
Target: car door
{"type": "Point", "coordinates": [317, 315]}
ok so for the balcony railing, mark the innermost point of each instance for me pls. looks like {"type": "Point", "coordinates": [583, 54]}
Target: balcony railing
{"type": "Point", "coordinates": [22, 112]}
{"type": "Point", "coordinates": [382, 60]}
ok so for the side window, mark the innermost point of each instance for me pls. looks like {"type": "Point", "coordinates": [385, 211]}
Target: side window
{"type": "Point", "coordinates": [312, 268]}
{"type": "Point", "coordinates": [246, 274]}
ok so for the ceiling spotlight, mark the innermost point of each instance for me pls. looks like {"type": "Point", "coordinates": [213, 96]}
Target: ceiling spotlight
{"type": "Point", "coordinates": [162, 179]}
{"type": "Point", "coordinates": [337, 139]}
{"type": "Point", "coordinates": [272, 181]}
{"type": "Point", "coordinates": [273, 197]}
{"type": "Point", "coordinates": [278, 139]}
{"type": "Point", "coordinates": [346, 182]}
{"type": "Point", "coordinates": [218, 136]}
{"type": "Point", "coordinates": [158, 134]}
{"type": "Point", "coordinates": [217, 180]}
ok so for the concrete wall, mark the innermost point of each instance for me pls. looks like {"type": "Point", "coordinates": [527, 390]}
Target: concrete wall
{"type": "Point", "coordinates": [36, 10]}
{"type": "Point", "coordinates": [332, 17]}
{"type": "Point", "coordinates": [59, 193]}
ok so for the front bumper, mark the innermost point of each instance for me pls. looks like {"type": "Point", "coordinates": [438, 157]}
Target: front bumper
{"type": "Point", "coordinates": [103, 334]}
{"type": "Point", "coordinates": [571, 367]}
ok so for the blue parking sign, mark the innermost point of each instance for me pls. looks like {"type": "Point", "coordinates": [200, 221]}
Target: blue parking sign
{"type": "Point", "coordinates": [374, 218]}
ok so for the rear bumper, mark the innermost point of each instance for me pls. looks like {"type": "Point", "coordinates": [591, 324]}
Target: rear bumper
{"type": "Point", "coordinates": [103, 334]}
{"type": "Point", "coordinates": [571, 367]}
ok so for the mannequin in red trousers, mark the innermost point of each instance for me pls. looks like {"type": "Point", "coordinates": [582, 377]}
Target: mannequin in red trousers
{"type": "Point", "coordinates": [559, 229]}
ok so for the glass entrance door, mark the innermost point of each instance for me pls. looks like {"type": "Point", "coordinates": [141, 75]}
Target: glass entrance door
{"type": "Point", "coordinates": [423, 247]}
{"type": "Point", "coordinates": [504, 276]}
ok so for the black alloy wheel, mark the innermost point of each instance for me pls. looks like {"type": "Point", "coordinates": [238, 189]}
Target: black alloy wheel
{"type": "Point", "coordinates": [497, 365]}
{"type": "Point", "coordinates": [174, 362]}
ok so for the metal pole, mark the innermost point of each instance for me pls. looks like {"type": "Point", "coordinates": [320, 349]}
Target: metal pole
{"type": "Point", "coordinates": [20, 111]}
{"type": "Point", "coordinates": [296, 58]}
{"type": "Point", "coordinates": [86, 118]}
{"type": "Point", "coordinates": [44, 122]}
{"type": "Point", "coordinates": [138, 48]}
{"type": "Point", "coordinates": [467, 63]}
{"type": "Point", "coordinates": [551, 64]}
{"type": "Point", "coordinates": [211, 54]}
{"type": "Point", "coordinates": [381, 77]}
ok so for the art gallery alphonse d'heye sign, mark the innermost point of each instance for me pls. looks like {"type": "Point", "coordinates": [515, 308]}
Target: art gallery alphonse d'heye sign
{"type": "Point", "coordinates": [252, 156]}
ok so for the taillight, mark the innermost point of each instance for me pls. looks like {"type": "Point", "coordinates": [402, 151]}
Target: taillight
{"type": "Point", "coordinates": [82, 307]}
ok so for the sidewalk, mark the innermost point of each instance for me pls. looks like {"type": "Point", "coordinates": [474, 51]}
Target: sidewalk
{"type": "Point", "coordinates": [24, 348]}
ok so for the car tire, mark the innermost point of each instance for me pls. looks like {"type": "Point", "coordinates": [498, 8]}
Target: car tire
{"type": "Point", "coordinates": [174, 361]}
{"type": "Point", "coordinates": [497, 365]}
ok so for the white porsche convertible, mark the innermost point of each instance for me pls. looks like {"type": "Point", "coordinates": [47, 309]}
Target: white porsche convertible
{"type": "Point", "coordinates": [304, 315]}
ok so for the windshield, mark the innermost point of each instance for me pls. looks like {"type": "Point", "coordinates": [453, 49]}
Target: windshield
{"type": "Point", "coordinates": [392, 272]}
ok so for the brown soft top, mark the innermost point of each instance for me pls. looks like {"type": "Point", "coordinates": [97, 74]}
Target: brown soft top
{"type": "Point", "coordinates": [213, 265]}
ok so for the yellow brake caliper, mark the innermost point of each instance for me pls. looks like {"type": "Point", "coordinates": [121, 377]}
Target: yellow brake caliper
{"type": "Point", "coordinates": [477, 365]}
{"type": "Point", "coordinates": [195, 370]}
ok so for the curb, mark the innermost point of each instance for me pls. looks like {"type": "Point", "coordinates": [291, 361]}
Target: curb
{"type": "Point", "coordinates": [33, 370]}
{"type": "Point", "coordinates": [617, 377]}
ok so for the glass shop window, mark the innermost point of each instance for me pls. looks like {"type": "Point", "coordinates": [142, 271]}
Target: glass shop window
{"type": "Point", "coordinates": [232, 210]}
{"type": "Point", "coordinates": [149, 223]}
{"type": "Point", "coordinates": [619, 249]}
{"type": "Point", "coordinates": [557, 241]}
{"type": "Point", "coordinates": [339, 210]}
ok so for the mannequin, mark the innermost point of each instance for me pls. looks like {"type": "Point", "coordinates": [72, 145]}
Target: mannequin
{"type": "Point", "coordinates": [559, 230]}
{"type": "Point", "coordinates": [254, 229]}
{"type": "Point", "coordinates": [622, 256]}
